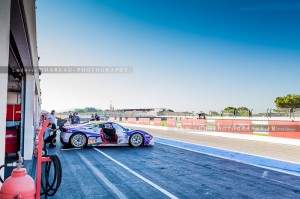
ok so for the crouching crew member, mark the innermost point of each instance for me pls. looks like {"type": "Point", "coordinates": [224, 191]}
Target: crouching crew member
{"type": "Point", "coordinates": [50, 135]}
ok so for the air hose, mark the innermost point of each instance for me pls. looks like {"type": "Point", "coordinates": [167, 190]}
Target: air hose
{"type": "Point", "coordinates": [2, 166]}
{"type": "Point", "coordinates": [50, 188]}
{"type": "Point", "coordinates": [14, 164]}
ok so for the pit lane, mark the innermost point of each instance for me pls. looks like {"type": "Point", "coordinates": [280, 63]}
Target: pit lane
{"type": "Point", "coordinates": [165, 172]}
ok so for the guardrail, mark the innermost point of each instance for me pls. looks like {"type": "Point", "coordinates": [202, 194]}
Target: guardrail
{"type": "Point", "coordinates": [273, 128]}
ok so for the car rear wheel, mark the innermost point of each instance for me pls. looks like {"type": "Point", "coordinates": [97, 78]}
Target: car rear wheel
{"type": "Point", "coordinates": [136, 140]}
{"type": "Point", "coordinates": [78, 140]}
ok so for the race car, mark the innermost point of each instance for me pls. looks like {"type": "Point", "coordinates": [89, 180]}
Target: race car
{"type": "Point", "coordinates": [103, 134]}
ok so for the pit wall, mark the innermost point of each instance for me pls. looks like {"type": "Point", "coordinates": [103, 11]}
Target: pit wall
{"type": "Point", "coordinates": [273, 128]}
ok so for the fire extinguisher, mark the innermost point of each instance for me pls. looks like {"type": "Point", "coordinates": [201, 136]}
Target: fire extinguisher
{"type": "Point", "coordinates": [19, 185]}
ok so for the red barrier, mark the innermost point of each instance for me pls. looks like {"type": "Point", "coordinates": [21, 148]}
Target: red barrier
{"type": "Point", "coordinates": [111, 119]}
{"type": "Point", "coordinates": [131, 120]}
{"type": "Point", "coordinates": [199, 124]}
{"type": "Point", "coordinates": [284, 129]}
{"type": "Point", "coordinates": [13, 112]}
{"type": "Point", "coordinates": [141, 120]}
{"type": "Point", "coordinates": [171, 122]}
{"type": "Point", "coordinates": [157, 121]}
{"type": "Point", "coordinates": [234, 126]}
{"type": "Point", "coordinates": [11, 141]}
{"type": "Point", "coordinates": [117, 119]}
{"type": "Point", "coordinates": [40, 159]}
{"type": "Point", "coordinates": [187, 123]}
{"type": "Point", "coordinates": [123, 120]}
{"type": "Point", "coordinates": [144, 121]}
{"type": "Point", "coordinates": [147, 121]}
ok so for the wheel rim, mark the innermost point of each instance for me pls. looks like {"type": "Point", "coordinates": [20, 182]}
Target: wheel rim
{"type": "Point", "coordinates": [136, 139]}
{"type": "Point", "coordinates": [78, 140]}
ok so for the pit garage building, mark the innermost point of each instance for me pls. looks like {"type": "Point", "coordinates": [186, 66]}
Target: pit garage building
{"type": "Point", "coordinates": [20, 95]}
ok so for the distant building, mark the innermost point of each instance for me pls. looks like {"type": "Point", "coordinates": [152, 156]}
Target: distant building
{"type": "Point", "coordinates": [143, 110]}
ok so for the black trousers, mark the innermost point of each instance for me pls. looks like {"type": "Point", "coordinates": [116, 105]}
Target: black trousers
{"type": "Point", "coordinates": [50, 139]}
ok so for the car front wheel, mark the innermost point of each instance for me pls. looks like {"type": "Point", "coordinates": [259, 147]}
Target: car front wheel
{"type": "Point", "coordinates": [78, 140]}
{"type": "Point", "coordinates": [136, 140]}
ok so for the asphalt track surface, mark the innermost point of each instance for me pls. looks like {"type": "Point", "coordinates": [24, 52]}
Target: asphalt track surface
{"type": "Point", "coordinates": [283, 152]}
{"type": "Point", "coordinates": [165, 172]}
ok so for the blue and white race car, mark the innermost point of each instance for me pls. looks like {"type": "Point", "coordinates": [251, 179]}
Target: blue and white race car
{"type": "Point", "coordinates": [103, 134]}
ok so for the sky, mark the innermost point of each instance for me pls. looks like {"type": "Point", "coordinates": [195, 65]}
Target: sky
{"type": "Point", "coordinates": [192, 55]}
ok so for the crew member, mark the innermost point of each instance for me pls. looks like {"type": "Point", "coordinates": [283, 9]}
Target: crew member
{"type": "Point", "coordinates": [52, 118]}
{"type": "Point", "coordinates": [75, 119]}
{"type": "Point", "coordinates": [70, 116]}
{"type": "Point", "coordinates": [97, 117]}
{"type": "Point", "coordinates": [50, 135]}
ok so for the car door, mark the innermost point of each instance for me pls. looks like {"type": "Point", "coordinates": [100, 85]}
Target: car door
{"type": "Point", "coordinates": [120, 131]}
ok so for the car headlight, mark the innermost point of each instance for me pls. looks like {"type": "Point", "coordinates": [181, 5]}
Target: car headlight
{"type": "Point", "coordinates": [148, 136]}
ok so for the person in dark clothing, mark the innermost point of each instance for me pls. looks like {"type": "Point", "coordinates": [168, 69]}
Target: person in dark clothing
{"type": "Point", "coordinates": [70, 117]}
{"type": "Point", "coordinates": [92, 118]}
{"type": "Point", "coordinates": [50, 135]}
{"type": "Point", "coordinates": [75, 119]}
{"type": "Point", "coordinates": [97, 117]}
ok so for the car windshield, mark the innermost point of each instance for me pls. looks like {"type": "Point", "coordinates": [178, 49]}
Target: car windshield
{"type": "Point", "coordinates": [118, 127]}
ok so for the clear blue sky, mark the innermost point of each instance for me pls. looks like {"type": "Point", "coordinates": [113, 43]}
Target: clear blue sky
{"type": "Point", "coordinates": [186, 55]}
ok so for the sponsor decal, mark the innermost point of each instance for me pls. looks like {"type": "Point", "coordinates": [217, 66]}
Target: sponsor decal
{"type": "Point", "coordinates": [145, 121]}
{"type": "Point", "coordinates": [234, 126]}
{"type": "Point", "coordinates": [91, 141]}
{"type": "Point", "coordinates": [131, 120]}
{"type": "Point", "coordinates": [171, 122]}
{"type": "Point", "coordinates": [287, 129]}
{"type": "Point", "coordinates": [199, 124]}
{"type": "Point", "coordinates": [187, 123]}
{"type": "Point", "coordinates": [157, 121]}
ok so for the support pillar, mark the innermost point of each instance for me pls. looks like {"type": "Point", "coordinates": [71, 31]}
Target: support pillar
{"type": "Point", "coordinates": [4, 56]}
{"type": "Point", "coordinates": [29, 115]}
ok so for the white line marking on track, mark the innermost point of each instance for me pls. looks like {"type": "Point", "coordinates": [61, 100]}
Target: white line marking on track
{"type": "Point", "coordinates": [223, 149]}
{"type": "Point", "coordinates": [255, 165]}
{"type": "Point", "coordinates": [116, 191]}
{"type": "Point", "coordinates": [287, 184]}
{"type": "Point", "coordinates": [265, 176]}
{"type": "Point", "coordinates": [139, 176]}
{"type": "Point", "coordinates": [70, 149]}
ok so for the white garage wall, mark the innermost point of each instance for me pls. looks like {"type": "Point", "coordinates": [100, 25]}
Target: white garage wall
{"type": "Point", "coordinates": [4, 50]}
{"type": "Point", "coordinates": [13, 98]}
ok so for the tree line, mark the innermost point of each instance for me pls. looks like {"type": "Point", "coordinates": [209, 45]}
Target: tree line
{"type": "Point", "coordinates": [84, 110]}
{"type": "Point", "coordinates": [289, 102]}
